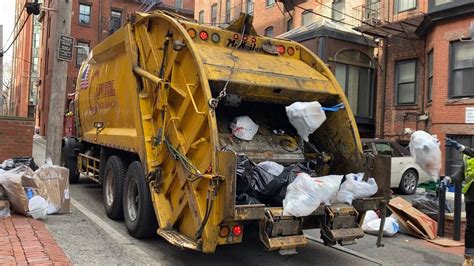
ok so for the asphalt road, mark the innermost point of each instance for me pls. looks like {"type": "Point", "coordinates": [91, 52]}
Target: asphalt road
{"type": "Point", "coordinates": [87, 237]}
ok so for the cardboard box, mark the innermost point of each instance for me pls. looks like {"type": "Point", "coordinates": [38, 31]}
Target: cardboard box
{"type": "Point", "coordinates": [14, 182]}
{"type": "Point", "coordinates": [56, 180]}
{"type": "Point", "coordinates": [419, 223]}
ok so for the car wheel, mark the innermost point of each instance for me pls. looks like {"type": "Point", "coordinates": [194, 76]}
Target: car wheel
{"type": "Point", "coordinates": [409, 182]}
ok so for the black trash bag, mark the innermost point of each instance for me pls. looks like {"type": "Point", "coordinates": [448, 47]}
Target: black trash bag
{"type": "Point", "coordinates": [19, 161]}
{"type": "Point", "coordinates": [251, 178]}
{"type": "Point", "coordinates": [275, 191]}
{"type": "Point", "coordinates": [428, 203]}
{"type": "Point", "coordinates": [246, 199]}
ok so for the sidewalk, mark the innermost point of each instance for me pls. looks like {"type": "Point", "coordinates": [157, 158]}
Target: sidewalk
{"type": "Point", "coordinates": [26, 241]}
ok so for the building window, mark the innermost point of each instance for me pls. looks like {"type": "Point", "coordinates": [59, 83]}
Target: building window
{"type": "Point", "coordinates": [227, 10]}
{"type": "Point", "coordinates": [372, 10]}
{"type": "Point", "coordinates": [289, 24]}
{"type": "Point", "coordinates": [269, 31]}
{"type": "Point", "coordinates": [462, 69]}
{"type": "Point", "coordinates": [115, 20]}
{"type": "Point", "coordinates": [405, 82]}
{"type": "Point", "coordinates": [430, 75]}
{"type": "Point", "coordinates": [214, 14]}
{"type": "Point", "coordinates": [179, 4]}
{"type": "Point", "coordinates": [82, 49]}
{"type": "Point", "coordinates": [338, 10]}
{"type": "Point", "coordinates": [249, 7]}
{"type": "Point", "coordinates": [201, 17]}
{"type": "Point", "coordinates": [404, 5]}
{"type": "Point", "coordinates": [269, 2]}
{"type": "Point", "coordinates": [354, 72]}
{"type": "Point", "coordinates": [84, 14]}
{"type": "Point", "coordinates": [306, 17]}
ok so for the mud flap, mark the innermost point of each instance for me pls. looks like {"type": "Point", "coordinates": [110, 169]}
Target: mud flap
{"type": "Point", "coordinates": [282, 233]}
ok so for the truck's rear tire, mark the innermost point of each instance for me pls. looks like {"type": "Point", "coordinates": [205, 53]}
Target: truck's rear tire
{"type": "Point", "coordinates": [139, 214]}
{"type": "Point", "coordinates": [114, 175]}
{"type": "Point", "coordinates": [71, 164]}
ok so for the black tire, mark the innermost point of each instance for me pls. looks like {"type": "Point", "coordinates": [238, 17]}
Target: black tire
{"type": "Point", "coordinates": [408, 182]}
{"type": "Point", "coordinates": [71, 164]}
{"type": "Point", "coordinates": [112, 188]}
{"type": "Point", "coordinates": [139, 214]}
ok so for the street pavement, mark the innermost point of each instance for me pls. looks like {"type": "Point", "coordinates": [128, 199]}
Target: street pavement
{"type": "Point", "coordinates": [87, 236]}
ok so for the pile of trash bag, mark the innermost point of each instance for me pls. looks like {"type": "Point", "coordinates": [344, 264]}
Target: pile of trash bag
{"type": "Point", "coordinates": [296, 187]}
{"type": "Point", "coordinates": [35, 193]}
{"type": "Point", "coordinates": [259, 183]}
{"type": "Point", "coordinates": [9, 164]}
{"type": "Point", "coordinates": [428, 203]}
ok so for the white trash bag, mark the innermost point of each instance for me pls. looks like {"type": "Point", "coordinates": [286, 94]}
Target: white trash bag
{"type": "Point", "coordinates": [306, 117]}
{"type": "Point", "coordinates": [370, 216]}
{"type": "Point", "coordinates": [243, 127]}
{"type": "Point", "coordinates": [355, 188]}
{"type": "Point", "coordinates": [390, 227]}
{"type": "Point", "coordinates": [328, 187]}
{"type": "Point", "coordinates": [305, 194]}
{"type": "Point", "coordinates": [424, 148]}
{"type": "Point", "coordinates": [302, 196]}
{"type": "Point", "coordinates": [38, 207]}
{"type": "Point", "coordinates": [272, 167]}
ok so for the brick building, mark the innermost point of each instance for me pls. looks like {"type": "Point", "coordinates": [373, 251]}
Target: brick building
{"type": "Point", "coordinates": [427, 57]}
{"type": "Point", "coordinates": [25, 62]}
{"type": "Point", "coordinates": [91, 22]}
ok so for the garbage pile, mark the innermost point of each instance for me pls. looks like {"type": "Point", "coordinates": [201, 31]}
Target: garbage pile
{"type": "Point", "coordinates": [371, 224]}
{"type": "Point", "coordinates": [34, 193]}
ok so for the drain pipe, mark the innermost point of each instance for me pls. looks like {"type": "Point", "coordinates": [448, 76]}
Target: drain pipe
{"type": "Point", "coordinates": [384, 82]}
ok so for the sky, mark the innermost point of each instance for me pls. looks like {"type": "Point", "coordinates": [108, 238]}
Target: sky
{"type": "Point", "coordinates": [7, 19]}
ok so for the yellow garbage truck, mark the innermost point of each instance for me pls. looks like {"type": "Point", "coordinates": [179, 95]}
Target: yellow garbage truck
{"type": "Point", "coordinates": [152, 111]}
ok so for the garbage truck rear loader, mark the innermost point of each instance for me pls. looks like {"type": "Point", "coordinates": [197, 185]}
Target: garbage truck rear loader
{"type": "Point", "coordinates": [152, 111]}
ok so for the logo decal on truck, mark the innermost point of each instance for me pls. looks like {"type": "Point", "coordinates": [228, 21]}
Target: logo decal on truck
{"type": "Point", "coordinates": [243, 45]}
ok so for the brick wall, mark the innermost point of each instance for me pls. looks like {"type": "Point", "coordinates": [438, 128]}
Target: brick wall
{"type": "Point", "coordinates": [16, 137]}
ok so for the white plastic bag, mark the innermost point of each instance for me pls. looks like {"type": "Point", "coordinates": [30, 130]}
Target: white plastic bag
{"type": "Point", "coordinates": [390, 227]}
{"type": "Point", "coordinates": [424, 148]}
{"type": "Point", "coordinates": [302, 196]}
{"type": "Point", "coordinates": [38, 207]}
{"type": "Point", "coordinates": [370, 216]}
{"type": "Point", "coordinates": [328, 186]}
{"type": "Point", "coordinates": [355, 188]}
{"type": "Point", "coordinates": [305, 194]}
{"type": "Point", "coordinates": [306, 117]}
{"type": "Point", "coordinates": [243, 127]}
{"type": "Point", "coordinates": [272, 167]}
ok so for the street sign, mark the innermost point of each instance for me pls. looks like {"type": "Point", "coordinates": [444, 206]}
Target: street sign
{"type": "Point", "coordinates": [65, 47]}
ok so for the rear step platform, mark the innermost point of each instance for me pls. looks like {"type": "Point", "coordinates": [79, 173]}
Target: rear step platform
{"type": "Point", "coordinates": [178, 239]}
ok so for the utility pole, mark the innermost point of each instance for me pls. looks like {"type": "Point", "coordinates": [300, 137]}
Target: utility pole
{"type": "Point", "coordinates": [60, 27]}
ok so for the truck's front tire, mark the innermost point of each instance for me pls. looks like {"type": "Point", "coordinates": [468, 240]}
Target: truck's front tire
{"type": "Point", "coordinates": [112, 188]}
{"type": "Point", "coordinates": [138, 210]}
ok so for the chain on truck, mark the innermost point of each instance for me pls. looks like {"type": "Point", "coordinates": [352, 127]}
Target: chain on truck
{"type": "Point", "coordinates": [151, 114]}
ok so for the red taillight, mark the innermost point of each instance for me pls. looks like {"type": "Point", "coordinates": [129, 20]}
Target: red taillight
{"type": "Point", "coordinates": [236, 36]}
{"type": "Point", "coordinates": [254, 39]}
{"type": "Point", "coordinates": [290, 51]}
{"type": "Point", "coordinates": [224, 232]}
{"type": "Point", "coordinates": [237, 230]}
{"type": "Point", "coordinates": [203, 35]}
{"type": "Point", "coordinates": [281, 49]}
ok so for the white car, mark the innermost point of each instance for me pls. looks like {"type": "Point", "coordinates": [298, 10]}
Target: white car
{"type": "Point", "coordinates": [406, 174]}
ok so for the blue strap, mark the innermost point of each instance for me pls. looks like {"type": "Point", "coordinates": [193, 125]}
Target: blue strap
{"type": "Point", "coordinates": [335, 108]}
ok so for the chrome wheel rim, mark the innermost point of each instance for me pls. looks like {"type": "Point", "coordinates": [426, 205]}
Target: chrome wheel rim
{"type": "Point", "coordinates": [132, 200]}
{"type": "Point", "coordinates": [409, 181]}
{"type": "Point", "coordinates": [109, 188]}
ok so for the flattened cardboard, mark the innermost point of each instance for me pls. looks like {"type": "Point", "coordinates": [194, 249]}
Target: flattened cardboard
{"type": "Point", "coordinates": [421, 221]}
{"type": "Point", "coordinates": [56, 180]}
